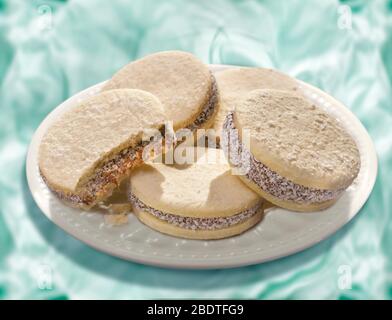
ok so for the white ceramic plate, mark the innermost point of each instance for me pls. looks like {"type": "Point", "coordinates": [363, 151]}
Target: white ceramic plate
{"type": "Point", "coordinates": [281, 232]}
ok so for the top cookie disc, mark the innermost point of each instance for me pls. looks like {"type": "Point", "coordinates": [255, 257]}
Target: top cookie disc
{"type": "Point", "coordinates": [297, 139]}
{"type": "Point", "coordinates": [180, 81]}
{"type": "Point", "coordinates": [205, 188]}
{"type": "Point", "coordinates": [233, 84]}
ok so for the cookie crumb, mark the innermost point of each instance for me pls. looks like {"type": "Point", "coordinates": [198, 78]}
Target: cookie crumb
{"type": "Point", "coordinates": [117, 214]}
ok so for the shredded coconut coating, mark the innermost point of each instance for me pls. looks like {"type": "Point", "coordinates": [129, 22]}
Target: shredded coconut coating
{"type": "Point", "coordinates": [196, 223]}
{"type": "Point", "coordinates": [208, 109]}
{"type": "Point", "coordinates": [267, 179]}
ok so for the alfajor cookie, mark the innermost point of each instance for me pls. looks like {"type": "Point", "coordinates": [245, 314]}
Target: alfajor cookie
{"type": "Point", "coordinates": [296, 155]}
{"type": "Point", "coordinates": [235, 83]}
{"type": "Point", "coordinates": [184, 85]}
{"type": "Point", "coordinates": [201, 200]}
{"type": "Point", "coordinates": [86, 153]}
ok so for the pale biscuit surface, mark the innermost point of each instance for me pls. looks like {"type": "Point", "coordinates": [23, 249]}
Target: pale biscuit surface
{"type": "Point", "coordinates": [180, 81]}
{"type": "Point", "coordinates": [201, 189]}
{"type": "Point", "coordinates": [235, 83]}
{"type": "Point", "coordinates": [298, 140]}
{"type": "Point", "coordinates": [93, 131]}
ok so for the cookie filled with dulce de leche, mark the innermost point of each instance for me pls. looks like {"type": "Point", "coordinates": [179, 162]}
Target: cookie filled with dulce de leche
{"type": "Point", "coordinates": [289, 151]}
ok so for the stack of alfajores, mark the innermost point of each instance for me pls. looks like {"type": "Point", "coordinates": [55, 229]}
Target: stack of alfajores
{"type": "Point", "coordinates": [292, 154]}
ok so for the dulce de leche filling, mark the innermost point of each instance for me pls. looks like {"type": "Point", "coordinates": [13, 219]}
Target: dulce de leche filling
{"type": "Point", "coordinates": [193, 223]}
{"type": "Point", "coordinates": [109, 175]}
{"type": "Point", "coordinates": [267, 179]}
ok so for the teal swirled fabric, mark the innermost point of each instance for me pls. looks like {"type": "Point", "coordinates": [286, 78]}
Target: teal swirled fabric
{"type": "Point", "coordinates": [49, 50]}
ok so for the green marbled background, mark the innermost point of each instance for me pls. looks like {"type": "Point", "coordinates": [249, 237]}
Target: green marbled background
{"type": "Point", "coordinates": [50, 50]}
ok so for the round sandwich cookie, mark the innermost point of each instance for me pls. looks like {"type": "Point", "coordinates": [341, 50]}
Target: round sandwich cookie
{"type": "Point", "coordinates": [86, 153]}
{"type": "Point", "coordinates": [292, 153]}
{"type": "Point", "coordinates": [184, 85]}
{"type": "Point", "coordinates": [199, 200]}
{"type": "Point", "coordinates": [235, 83]}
